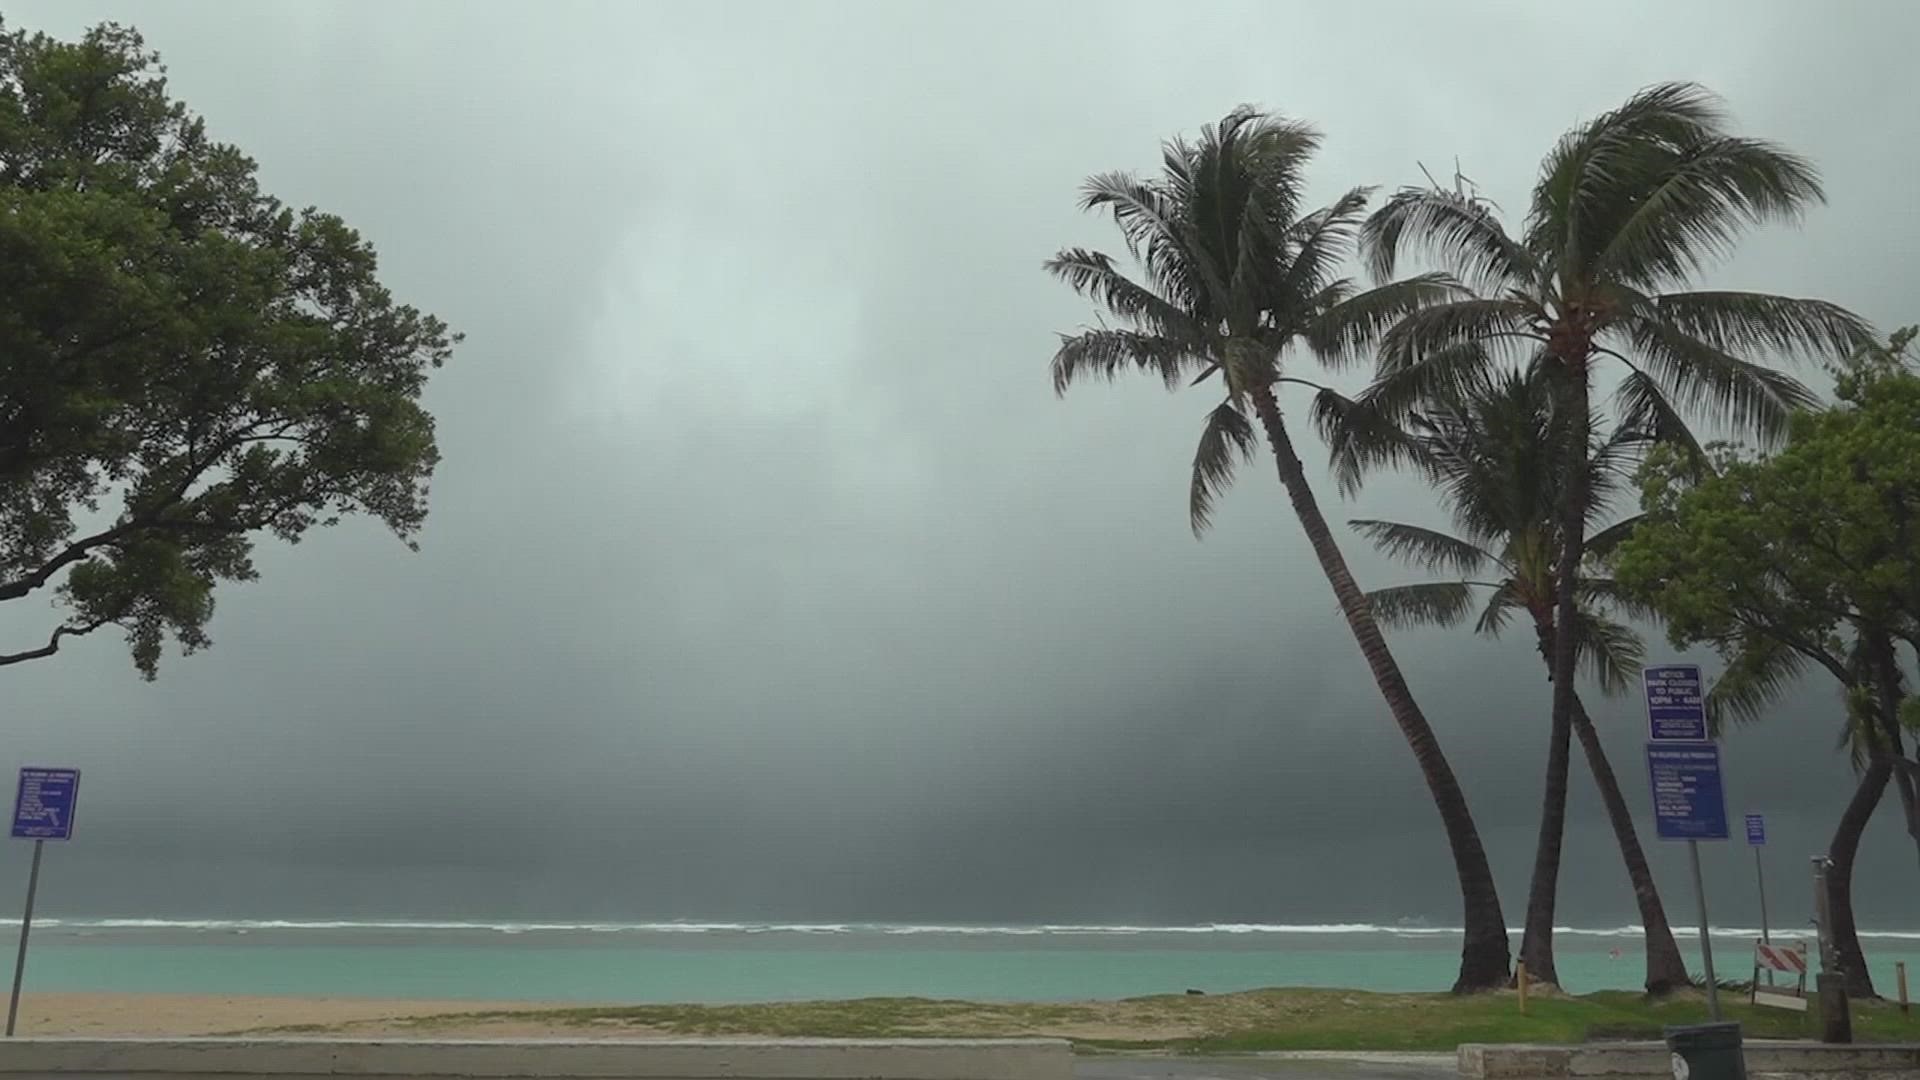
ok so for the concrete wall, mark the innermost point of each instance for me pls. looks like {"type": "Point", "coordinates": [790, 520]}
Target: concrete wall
{"type": "Point", "coordinates": [1765, 1061]}
{"type": "Point", "coordinates": [784, 1059]}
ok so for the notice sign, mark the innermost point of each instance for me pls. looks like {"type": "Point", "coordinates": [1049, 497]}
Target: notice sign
{"type": "Point", "coordinates": [1756, 830]}
{"type": "Point", "coordinates": [1676, 703]}
{"type": "Point", "coordinates": [43, 807]}
{"type": "Point", "coordinates": [1689, 801]}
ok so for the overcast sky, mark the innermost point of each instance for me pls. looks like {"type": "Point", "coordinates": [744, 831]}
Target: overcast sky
{"type": "Point", "coordinates": [765, 575]}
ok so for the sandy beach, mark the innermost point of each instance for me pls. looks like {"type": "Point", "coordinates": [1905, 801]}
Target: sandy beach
{"type": "Point", "coordinates": [111, 1014]}
{"type": "Point", "coordinates": [104, 1015]}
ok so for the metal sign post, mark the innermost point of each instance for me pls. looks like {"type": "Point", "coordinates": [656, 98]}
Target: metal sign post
{"type": "Point", "coordinates": [42, 811]}
{"type": "Point", "coordinates": [1683, 767]}
{"type": "Point", "coordinates": [1757, 839]}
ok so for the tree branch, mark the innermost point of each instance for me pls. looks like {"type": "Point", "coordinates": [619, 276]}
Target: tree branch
{"type": "Point", "coordinates": [53, 643]}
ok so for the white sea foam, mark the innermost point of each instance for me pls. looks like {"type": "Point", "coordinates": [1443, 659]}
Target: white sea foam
{"type": "Point", "coordinates": [1230, 930]}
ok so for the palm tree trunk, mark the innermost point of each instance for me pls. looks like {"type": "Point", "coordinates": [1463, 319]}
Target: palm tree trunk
{"type": "Point", "coordinates": [1536, 940]}
{"type": "Point", "coordinates": [1562, 670]}
{"type": "Point", "coordinates": [1666, 970]}
{"type": "Point", "coordinates": [1573, 537]}
{"type": "Point", "coordinates": [1841, 853]}
{"type": "Point", "coordinates": [1485, 953]}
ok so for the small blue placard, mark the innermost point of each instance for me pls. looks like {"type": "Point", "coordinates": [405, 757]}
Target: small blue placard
{"type": "Point", "coordinates": [1689, 801]}
{"type": "Point", "coordinates": [43, 807]}
{"type": "Point", "coordinates": [1676, 703]}
{"type": "Point", "coordinates": [1756, 830]}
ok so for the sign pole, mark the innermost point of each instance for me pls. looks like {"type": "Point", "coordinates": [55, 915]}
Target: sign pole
{"type": "Point", "coordinates": [26, 925]}
{"type": "Point", "coordinates": [1760, 877]}
{"type": "Point", "coordinates": [1706, 936]}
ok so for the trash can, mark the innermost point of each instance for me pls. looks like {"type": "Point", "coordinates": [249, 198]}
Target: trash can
{"type": "Point", "coordinates": [1707, 1052]}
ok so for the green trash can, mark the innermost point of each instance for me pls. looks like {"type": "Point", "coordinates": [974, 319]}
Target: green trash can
{"type": "Point", "coordinates": [1707, 1052]}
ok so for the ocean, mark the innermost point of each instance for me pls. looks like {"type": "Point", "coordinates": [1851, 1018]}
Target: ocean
{"type": "Point", "coordinates": [740, 962]}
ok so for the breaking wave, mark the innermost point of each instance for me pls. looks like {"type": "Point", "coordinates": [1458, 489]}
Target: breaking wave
{"type": "Point", "coordinates": [1235, 930]}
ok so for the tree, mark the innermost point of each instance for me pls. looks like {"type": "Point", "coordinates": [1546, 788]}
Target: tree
{"type": "Point", "coordinates": [184, 362]}
{"type": "Point", "coordinates": [1628, 209]}
{"type": "Point", "coordinates": [1806, 560]}
{"type": "Point", "coordinates": [1236, 278]}
{"type": "Point", "coordinates": [1498, 457]}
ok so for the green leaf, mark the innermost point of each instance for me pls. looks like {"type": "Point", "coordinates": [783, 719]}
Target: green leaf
{"type": "Point", "coordinates": [1226, 442]}
{"type": "Point", "coordinates": [1440, 603]}
{"type": "Point", "coordinates": [1423, 547]}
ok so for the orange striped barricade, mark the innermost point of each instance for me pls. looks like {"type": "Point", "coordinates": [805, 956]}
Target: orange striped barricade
{"type": "Point", "coordinates": [1789, 959]}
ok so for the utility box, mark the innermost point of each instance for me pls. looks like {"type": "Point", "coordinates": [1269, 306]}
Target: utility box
{"type": "Point", "coordinates": [1707, 1052]}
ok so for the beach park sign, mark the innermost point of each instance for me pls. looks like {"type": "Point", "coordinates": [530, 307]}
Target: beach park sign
{"type": "Point", "coordinates": [43, 808]}
{"type": "Point", "coordinates": [43, 804]}
{"type": "Point", "coordinates": [1683, 770]}
{"type": "Point", "coordinates": [1676, 703]}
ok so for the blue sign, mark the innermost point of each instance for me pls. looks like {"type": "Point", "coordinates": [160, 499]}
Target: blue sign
{"type": "Point", "coordinates": [1756, 830]}
{"type": "Point", "coordinates": [43, 808]}
{"type": "Point", "coordinates": [1676, 703]}
{"type": "Point", "coordinates": [1689, 802]}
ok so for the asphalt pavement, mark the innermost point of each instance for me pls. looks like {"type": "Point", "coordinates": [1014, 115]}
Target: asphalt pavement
{"type": "Point", "coordinates": [1286, 1066]}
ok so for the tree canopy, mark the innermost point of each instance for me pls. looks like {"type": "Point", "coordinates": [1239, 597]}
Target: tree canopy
{"type": "Point", "coordinates": [1805, 559]}
{"type": "Point", "coordinates": [1797, 551]}
{"type": "Point", "coordinates": [185, 363]}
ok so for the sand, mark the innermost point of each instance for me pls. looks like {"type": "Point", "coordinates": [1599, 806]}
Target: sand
{"type": "Point", "coordinates": [108, 1015]}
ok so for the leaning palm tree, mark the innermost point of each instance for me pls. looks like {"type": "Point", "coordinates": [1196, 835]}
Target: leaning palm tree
{"type": "Point", "coordinates": [1629, 208]}
{"type": "Point", "coordinates": [1235, 278]}
{"type": "Point", "coordinates": [1498, 456]}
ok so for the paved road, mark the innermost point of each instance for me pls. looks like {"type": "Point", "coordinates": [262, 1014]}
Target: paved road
{"type": "Point", "coordinates": [1302, 1066]}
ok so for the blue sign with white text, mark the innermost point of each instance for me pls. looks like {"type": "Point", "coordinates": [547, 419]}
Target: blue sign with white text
{"type": "Point", "coordinates": [1756, 830]}
{"type": "Point", "coordinates": [1689, 801]}
{"type": "Point", "coordinates": [1676, 703]}
{"type": "Point", "coordinates": [43, 807]}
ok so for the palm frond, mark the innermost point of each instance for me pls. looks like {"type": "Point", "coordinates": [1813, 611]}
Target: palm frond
{"type": "Point", "coordinates": [1155, 230]}
{"type": "Point", "coordinates": [1104, 352]}
{"type": "Point", "coordinates": [1318, 244]}
{"type": "Point", "coordinates": [1759, 670]}
{"type": "Point", "coordinates": [1599, 168]}
{"type": "Point", "coordinates": [1610, 653]}
{"type": "Point", "coordinates": [1642, 402]}
{"type": "Point", "coordinates": [1226, 442]}
{"type": "Point", "coordinates": [1706, 380]}
{"type": "Point", "coordinates": [1617, 456]}
{"type": "Point", "coordinates": [1498, 327]}
{"type": "Point", "coordinates": [1501, 603]}
{"type": "Point", "coordinates": [1361, 440]}
{"type": "Point", "coordinates": [1443, 375]}
{"type": "Point", "coordinates": [1600, 544]}
{"type": "Point", "coordinates": [1600, 593]}
{"type": "Point", "coordinates": [1427, 548]}
{"type": "Point", "coordinates": [1439, 603]}
{"type": "Point", "coordinates": [1702, 195]}
{"type": "Point", "coordinates": [1093, 275]}
{"type": "Point", "coordinates": [1758, 324]}
{"type": "Point", "coordinates": [1459, 232]}
{"type": "Point", "coordinates": [1342, 332]}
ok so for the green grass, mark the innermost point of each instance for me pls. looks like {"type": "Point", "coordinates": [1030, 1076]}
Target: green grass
{"type": "Point", "coordinates": [1227, 1023]}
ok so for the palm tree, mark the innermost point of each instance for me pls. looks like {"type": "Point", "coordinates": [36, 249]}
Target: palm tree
{"type": "Point", "coordinates": [1235, 276]}
{"type": "Point", "coordinates": [1497, 457]}
{"type": "Point", "coordinates": [1628, 209]}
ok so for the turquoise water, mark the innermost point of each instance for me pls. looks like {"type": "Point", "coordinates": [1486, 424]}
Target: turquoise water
{"type": "Point", "coordinates": [734, 964]}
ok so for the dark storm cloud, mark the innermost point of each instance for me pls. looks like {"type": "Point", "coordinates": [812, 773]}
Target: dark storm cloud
{"type": "Point", "coordinates": [766, 578]}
